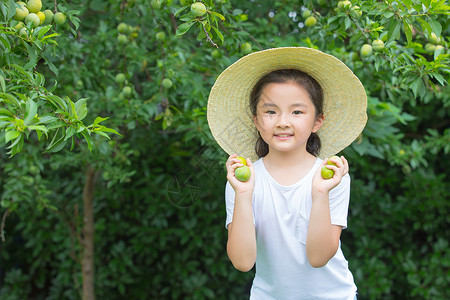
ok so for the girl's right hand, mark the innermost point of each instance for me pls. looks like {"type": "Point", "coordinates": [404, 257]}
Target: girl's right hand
{"type": "Point", "coordinates": [239, 187]}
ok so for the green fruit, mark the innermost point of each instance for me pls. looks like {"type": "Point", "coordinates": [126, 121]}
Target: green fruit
{"type": "Point", "coordinates": [120, 78]}
{"type": "Point", "coordinates": [23, 32]}
{"type": "Point", "coordinates": [310, 21]}
{"type": "Point", "coordinates": [122, 38]}
{"type": "Point", "coordinates": [326, 173]}
{"type": "Point", "coordinates": [122, 28]}
{"type": "Point", "coordinates": [344, 4]}
{"type": "Point", "coordinates": [160, 36]}
{"type": "Point", "coordinates": [167, 83]}
{"type": "Point", "coordinates": [334, 157]}
{"type": "Point", "coordinates": [21, 13]}
{"type": "Point", "coordinates": [48, 17]}
{"type": "Point", "coordinates": [366, 50]}
{"type": "Point", "coordinates": [377, 45]}
{"type": "Point", "coordinates": [355, 12]}
{"type": "Point", "coordinates": [242, 160]}
{"type": "Point", "coordinates": [156, 4]}
{"type": "Point", "coordinates": [216, 53]}
{"type": "Point", "coordinates": [198, 9]}
{"type": "Point", "coordinates": [34, 6]}
{"type": "Point", "coordinates": [127, 91]}
{"type": "Point", "coordinates": [60, 18]}
{"type": "Point", "coordinates": [242, 173]}
{"type": "Point", "coordinates": [306, 13]}
{"type": "Point", "coordinates": [246, 48]}
{"type": "Point", "coordinates": [19, 26]}
{"type": "Point", "coordinates": [430, 48]}
{"type": "Point", "coordinates": [433, 38]}
{"type": "Point", "coordinates": [32, 18]}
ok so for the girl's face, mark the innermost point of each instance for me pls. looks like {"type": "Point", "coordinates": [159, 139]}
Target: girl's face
{"type": "Point", "coordinates": [286, 117]}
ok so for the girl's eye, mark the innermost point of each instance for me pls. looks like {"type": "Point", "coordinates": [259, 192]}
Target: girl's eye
{"type": "Point", "coordinates": [297, 112]}
{"type": "Point", "coordinates": [270, 112]}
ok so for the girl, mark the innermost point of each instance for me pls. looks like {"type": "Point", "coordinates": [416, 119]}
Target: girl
{"type": "Point", "coordinates": [286, 218]}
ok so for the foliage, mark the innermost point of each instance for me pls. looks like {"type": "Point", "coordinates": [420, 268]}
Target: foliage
{"type": "Point", "coordinates": [159, 206]}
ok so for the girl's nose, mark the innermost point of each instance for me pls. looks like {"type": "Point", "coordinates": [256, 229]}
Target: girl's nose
{"type": "Point", "coordinates": [283, 121]}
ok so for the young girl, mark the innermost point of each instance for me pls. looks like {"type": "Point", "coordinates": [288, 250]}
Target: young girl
{"type": "Point", "coordinates": [286, 218]}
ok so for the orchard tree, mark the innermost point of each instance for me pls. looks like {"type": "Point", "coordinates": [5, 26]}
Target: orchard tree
{"type": "Point", "coordinates": [155, 189]}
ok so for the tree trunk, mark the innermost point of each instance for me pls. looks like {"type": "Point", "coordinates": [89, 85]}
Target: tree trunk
{"type": "Point", "coordinates": [87, 264]}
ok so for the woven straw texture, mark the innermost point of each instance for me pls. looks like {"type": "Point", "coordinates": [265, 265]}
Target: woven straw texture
{"type": "Point", "coordinates": [345, 101]}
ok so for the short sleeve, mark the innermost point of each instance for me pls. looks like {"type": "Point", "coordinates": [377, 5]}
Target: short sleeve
{"type": "Point", "coordinates": [339, 202]}
{"type": "Point", "coordinates": [229, 203]}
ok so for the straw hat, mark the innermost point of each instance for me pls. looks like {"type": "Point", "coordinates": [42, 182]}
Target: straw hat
{"type": "Point", "coordinates": [345, 101]}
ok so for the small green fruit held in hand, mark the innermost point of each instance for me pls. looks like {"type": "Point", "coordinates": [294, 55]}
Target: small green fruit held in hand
{"type": "Point", "coordinates": [377, 45]}
{"type": "Point", "coordinates": [242, 173]}
{"type": "Point", "coordinates": [310, 21]}
{"type": "Point", "coordinates": [242, 160]}
{"type": "Point", "coordinates": [366, 50]}
{"type": "Point", "coordinates": [34, 6]}
{"type": "Point", "coordinates": [60, 18]}
{"type": "Point", "coordinates": [167, 83]}
{"type": "Point", "coordinates": [328, 173]}
{"type": "Point", "coordinates": [198, 9]}
{"type": "Point", "coordinates": [33, 19]}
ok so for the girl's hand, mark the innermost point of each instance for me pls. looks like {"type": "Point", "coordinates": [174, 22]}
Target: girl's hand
{"type": "Point", "coordinates": [240, 187]}
{"type": "Point", "coordinates": [326, 185]}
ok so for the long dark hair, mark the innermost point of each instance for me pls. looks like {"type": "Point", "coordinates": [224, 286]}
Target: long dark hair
{"type": "Point", "coordinates": [303, 80]}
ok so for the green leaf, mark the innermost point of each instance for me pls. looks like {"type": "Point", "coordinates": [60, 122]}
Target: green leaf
{"type": "Point", "coordinates": [98, 120]}
{"type": "Point", "coordinates": [408, 31]}
{"type": "Point", "coordinates": [219, 34]}
{"type": "Point", "coordinates": [11, 135]}
{"type": "Point", "coordinates": [394, 31]}
{"type": "Point", "coordinates": [2, 84]}
{"type": "Point", "coordinates": [183, 28]}
{"type": "Point", "coordinates": [70, 131]}
{"type": "Point", "coordinates": [435, 26]}
{"type": "Point", "coordinates": [218, 15]}
{"type": "Point", "coordinates": [30, 112]}
{"type": "Point", "coordinates": [81, 108]}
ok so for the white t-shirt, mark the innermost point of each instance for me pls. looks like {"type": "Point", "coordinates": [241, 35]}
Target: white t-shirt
{"type": "Point", "coordinates": [281, 215]}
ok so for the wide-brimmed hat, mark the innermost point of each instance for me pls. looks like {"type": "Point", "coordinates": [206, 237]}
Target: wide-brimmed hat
{"type": "Point", "coordinates": [345, 101]}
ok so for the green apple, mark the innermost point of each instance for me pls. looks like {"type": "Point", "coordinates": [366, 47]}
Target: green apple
{"type": "Point", "coordinates": [366, 50]}
{"type": "Point", "coordinates": [306, 13]}
{"type": "Point", "coordinates": [310, 21]}
{"type": "Point", "coordinates": [127, 91]}
{"type": "Point", "coordinates": [41, 16]}
{"type": "Point", "coordinates": [32, 18]}
{"type": "Point", "coordinates": [242, 160]}
{"type": "Point", "coordinates": [377, 45]}
{"type": "Point", "coordinates": [433, 38]}
{"type": "Point", "coordinates": [21, 13]}
{"type": "Point", "coordinates": [242, 173]}
{"type": "Point", "coordinates": [334, 157]}
{"type": "Point", "coordinates": [326, 173]}
{"type": "Point", "coordinates": [60, 18]}
{"type": "Point", "coordinates": [120, 78]}
{"type": "Point", "coordinates": [122, 38]}
{"type": "Point", "coordinates": [160, 36]}
{"type": "Point", "coordinates": [122, 27]}
{"type": "Point", "coordinates": [198, 9]}
{"type": "Point", "coordinates": [430, 48]}
{"type": "Point", "coordinates": [355, 12]}
{"type": "Point", "coordinates": [344, 4]}
{"type": "Point", "coordinates": [19, 26]}
{"type": "Point", "coordinates": [34, 6]}
{"type": "Point", "coordinates": [216, 53]}
{"type": "Point", "coordinates": [156, 4]}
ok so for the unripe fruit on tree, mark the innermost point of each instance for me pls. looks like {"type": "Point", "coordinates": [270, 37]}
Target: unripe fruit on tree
{"type": "Point", "coordinates": [122, 38]}
{"type": "Point", "coordinates": [156, 4]}
{"type": "Point", "coordinates": [198, 9]}
{"type": "Point", "coordinates": [216, 53]}
{"type": "Point", "coordinates": [160, 36]}
{"type": "Point", "coordinates": [306, 13]}
{"type": "Point", "coordinates": [21, 13]}
{"type": "Point", "coordinates": [167, 83]}
{"type": "Point", "coordinates": [366, 50]}
{"type": "Point", "coordinates": [19, 26]}
{"type": "Point", "coordinates": [344, 4]}
{"type": "Point", "coordinates": [377, 45]}
{"type": "Point", "coordinates": [34, 6]}
{"type": "Point", "coordinates": [430, 48]}
{"type": "Point", "coordinates": [33, 19]}
{"type": "Point", "coordinates": [242, 173]}
{"type": "Point", "coordinates": [41, 16]}
{"type": "Point", "coordinates": [120, 78]}
{"type": "Point", "coordinates": [122, 27]}
{"type": "Point", "coordinates": [355, 12]}
{"type": "Point", "coordinates": [438, 47]}
{"type": "Point", "coordinates": [126, 91]}
{"type": "Point", "coordinates": [310, 21]}
{"type": "Point", "coordinates": [48, 17]}
{"type": "Point", "coordinates": [328, 173]}
{"type": "Point", "coordinates": [433, 38]}
{"type": "Point", "coordinates": [246, 48]}
{"type": "Point", "coordinates": [23, 32]}
{"type": "Point", "coordinates": [60, 18]}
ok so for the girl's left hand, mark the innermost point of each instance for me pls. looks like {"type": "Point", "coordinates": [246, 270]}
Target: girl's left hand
{"type": "Point", "coordinates": [325, 185]}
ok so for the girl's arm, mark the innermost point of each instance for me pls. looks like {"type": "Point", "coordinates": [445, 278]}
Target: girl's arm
{"type": "Point", "coordinates": [323, 237]}
{"type": "Point", "coordinates": [241, 245]}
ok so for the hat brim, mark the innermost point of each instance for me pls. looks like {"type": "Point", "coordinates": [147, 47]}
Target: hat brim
{"type": "Point", "coordinates": [345, 101]}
